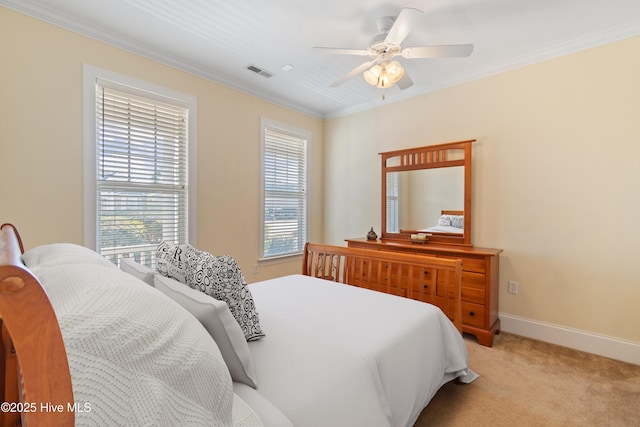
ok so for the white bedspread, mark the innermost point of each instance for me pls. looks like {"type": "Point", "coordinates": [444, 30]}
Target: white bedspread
{"type": "Point", "coordinates": [443, 229]}
{"type": "Point", "coordinates": [337, 355]}
{"type": "Point", "coordinates": [136, 357]}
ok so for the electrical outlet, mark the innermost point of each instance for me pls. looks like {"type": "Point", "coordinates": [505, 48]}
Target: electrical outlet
{"type": "Point", "coordinates": [256, 268]}
{"type": "Point", "coordinates": [513, 287]}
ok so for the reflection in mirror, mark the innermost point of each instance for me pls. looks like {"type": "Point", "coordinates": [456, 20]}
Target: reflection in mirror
{"type": "Point", "coordinates": [428, 190]}
{"type": "Point", "coordinates": [416, 200]}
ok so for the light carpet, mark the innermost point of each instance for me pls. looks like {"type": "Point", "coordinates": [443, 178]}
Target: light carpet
{"type": "Point", "coordinates": [524, 382]}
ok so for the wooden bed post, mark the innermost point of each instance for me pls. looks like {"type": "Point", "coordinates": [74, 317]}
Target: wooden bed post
{"type": "Point", "coordinates": [34, 362]}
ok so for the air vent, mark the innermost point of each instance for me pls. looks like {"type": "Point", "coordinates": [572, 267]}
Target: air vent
{"type": "Point", "coordinates": [258, 70]}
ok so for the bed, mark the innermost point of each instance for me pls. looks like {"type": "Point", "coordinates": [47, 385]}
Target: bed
{"type": "Point", "coordinates": [450, 221]}
{"type": "Point", "coordinates": [123, 347]}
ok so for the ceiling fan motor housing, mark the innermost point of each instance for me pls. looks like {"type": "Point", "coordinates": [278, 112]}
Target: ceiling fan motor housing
{"type": "Point", "coordinates": [379, 46]}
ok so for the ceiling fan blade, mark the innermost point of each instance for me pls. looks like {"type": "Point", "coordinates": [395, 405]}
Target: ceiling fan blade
{"type": "Point", "coordinates": [406, 20]}
{"type": "Point", "coordinates": [405, 82]}
{"type": "Point", "coordinates": [359, 69]}
{"type": "Point", "coordinates": [452, 50]}
{"type": "Point", "coordinates": [343, 51]}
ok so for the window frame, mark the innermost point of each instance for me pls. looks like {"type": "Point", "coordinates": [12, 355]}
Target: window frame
{"type": "Point", "coordinates": [299, 133]}
{"type": "Point", "coordinates": [91, 75]}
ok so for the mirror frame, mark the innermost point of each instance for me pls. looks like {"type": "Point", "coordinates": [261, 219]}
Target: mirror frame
{"type": "Point", "coordinates": [430, 157]}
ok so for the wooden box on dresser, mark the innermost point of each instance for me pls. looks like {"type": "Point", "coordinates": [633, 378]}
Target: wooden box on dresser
{"type": "Point", "coordinates": [479, 280]}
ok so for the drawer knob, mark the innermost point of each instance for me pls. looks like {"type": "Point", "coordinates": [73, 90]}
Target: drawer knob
{"type": "Point", "coordinates": [471, 313]}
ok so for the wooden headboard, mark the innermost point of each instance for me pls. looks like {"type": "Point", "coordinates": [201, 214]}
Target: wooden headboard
{"type": "Point", "coordinates": [428, 279]}
{"type": "Point", "coordinates": [449, 212]}
{"type": "Point", "coordinates": [36, 383]}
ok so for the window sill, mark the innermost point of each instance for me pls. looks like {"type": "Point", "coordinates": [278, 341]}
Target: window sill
{"type": "Point", "coordinates": [280, 259]}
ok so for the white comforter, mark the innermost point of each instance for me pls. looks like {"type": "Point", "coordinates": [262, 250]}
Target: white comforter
{"type": "Point", "coordinates": [337, 355]}
{"type": "Point", "coordinates": [443, 229]}
{"type": "Point", "coordinates": [136, 357]}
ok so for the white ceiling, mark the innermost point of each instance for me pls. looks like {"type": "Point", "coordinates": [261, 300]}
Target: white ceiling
{"type": "Point", "coordinates": [218, 39]}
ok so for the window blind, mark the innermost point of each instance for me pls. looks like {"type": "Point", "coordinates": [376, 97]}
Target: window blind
{"type": "Point", "coordinates": [284, 189]}
{"type": "Point", "coordinates": [141, 174]}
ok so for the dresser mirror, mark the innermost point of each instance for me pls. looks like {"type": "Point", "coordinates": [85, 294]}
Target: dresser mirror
{"type": "Point", "coordinates": [427, 190]}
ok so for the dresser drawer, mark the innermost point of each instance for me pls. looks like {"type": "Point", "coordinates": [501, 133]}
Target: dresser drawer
{"type": "Point", "coordinates": [473, 287]}
{"type": "Point", "coordinates": [473, 295]}
{"type": "Point", "coordinates": [473, 264]}
{"type": "Point", "coordinates": [477, 265]}
{"type": "Point", "coordinates": [473, 280]}
{"type": "Point", "coordinates": [472, 314]}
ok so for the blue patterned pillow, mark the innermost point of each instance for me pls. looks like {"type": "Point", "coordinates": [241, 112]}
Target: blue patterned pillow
{"type": "Point", "coordinates": [221, 278]}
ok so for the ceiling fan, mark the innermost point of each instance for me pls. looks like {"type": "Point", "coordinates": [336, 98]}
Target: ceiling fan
{"type": "Point", "coordinates": [382, 71]}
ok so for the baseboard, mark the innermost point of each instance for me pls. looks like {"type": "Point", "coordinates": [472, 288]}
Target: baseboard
{"type": "Point", "coordinates": [602, 345]}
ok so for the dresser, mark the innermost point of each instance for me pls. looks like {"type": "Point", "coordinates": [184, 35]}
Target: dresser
{"type": "Point", "coordinates": [480, 268]}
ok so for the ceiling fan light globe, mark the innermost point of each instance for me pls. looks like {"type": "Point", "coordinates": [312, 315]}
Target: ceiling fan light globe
{"type": "Point", "coordinates": [372, 75]}
{"type": "Point", "coordinates": [395, 71]}
{"type": "Point", "coordinates": [384, 81]}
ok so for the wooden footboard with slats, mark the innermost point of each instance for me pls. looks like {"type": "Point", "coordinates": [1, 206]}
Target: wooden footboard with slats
{"type": "Point", "coordinates": [36, 383]}
{"type": "Point", "coordinates": [429, 279]}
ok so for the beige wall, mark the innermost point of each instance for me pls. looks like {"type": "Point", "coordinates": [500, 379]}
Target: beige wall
{"type": "Point", "coordinates": [41, 143]}
{"type": "Point", "coordinates": [556, 180]}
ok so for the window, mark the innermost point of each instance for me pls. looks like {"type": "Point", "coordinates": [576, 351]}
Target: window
{"type": "Point", "coordinates": [392, 202]}
{"type": "Point", "coordinates": [139, 172]}
{"type": "Point", "coordinates": [284, 190]}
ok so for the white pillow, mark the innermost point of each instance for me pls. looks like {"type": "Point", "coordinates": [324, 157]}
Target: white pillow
{"type": "Point", "coordinates": [217, 319]}
{"type": "Point", "coordinates": [138, 270]}
{"type": "Point", "coordinates": [56, 254]}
